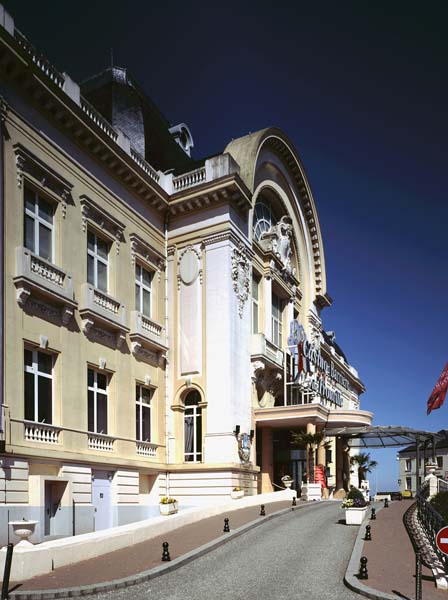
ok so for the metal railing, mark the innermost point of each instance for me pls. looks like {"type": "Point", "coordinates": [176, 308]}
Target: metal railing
{"type": "Point", "coordinates": [430, 520]}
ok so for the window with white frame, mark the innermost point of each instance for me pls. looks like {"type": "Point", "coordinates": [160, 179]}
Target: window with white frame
{"type": "Point", "coordinates": [277, 309]}
{"type": "Point", "coordinates": [409, 483]}
{"type": "Point", "coordinates": [38, 386]}
{"type": "Point", "coordinates": [97, 394]}
{"type": "Point", "coordinates": [192, 428]}
{"type": "Point", "coordinates": [97, 261]}
{"type": "Point", "coordinates": [143, 397]}
{"type": "Point", "coordinates": [408, 465]}
{"type": "Point", "coordinates": [255, 303]}
{"type": "Point", "coordinates": [38, 224]}
{"type": "Point", "coordinates": [143, 283]}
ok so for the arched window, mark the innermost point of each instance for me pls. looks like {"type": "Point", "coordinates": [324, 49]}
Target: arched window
{"type": "Point", "coordinates": [192, 427]}
{"type": "Point", "coordinates": [263, 218]}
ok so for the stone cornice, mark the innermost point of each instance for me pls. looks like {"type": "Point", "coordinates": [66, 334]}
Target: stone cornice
{"type": "Point", "coordinates": [144, 251]}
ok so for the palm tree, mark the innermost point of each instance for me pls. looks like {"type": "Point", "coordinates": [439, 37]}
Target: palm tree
{"type": "Point", "coordinates": [364, 464]}
{"type": "Point", "coordinates": [308, 442]}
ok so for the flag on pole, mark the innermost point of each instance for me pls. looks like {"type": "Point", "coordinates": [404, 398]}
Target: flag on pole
{"type": "Point", "coordinates": [437, 397]}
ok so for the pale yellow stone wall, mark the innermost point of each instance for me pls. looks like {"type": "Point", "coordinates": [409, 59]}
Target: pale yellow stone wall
{"type": "Point", "coordinates": [72, 349]}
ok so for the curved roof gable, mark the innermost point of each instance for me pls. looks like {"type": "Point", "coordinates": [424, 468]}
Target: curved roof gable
{"type": "Point", "coordinates": [246, 151]}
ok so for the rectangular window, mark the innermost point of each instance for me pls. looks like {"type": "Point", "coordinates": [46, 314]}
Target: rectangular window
{"type": "Point", "coordinates": [439, 462]}
{"type": "Point", "coordinates": [38, 386]}
{"type": "Point", "coordinates": [38, 225]}
{"type": "Point", "coordinates": [143, 282]}
{"type": "Point", "coordinates": [255, 305]}
{"type": "Point", "coordinates": [277, 309]}
{"type": "Point", "coordinates": [97, 392]}
{"type": "Point", "coordinates": [408, 464]}
{"type": "Point", "coordinates": [408, 483]}
{"type": "Point", "coordinates": [143, 397]}
{"type": "Point", "coordinates": [97, 261]}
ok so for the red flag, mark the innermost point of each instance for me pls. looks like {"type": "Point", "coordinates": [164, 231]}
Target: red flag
{"type": "Point", "coordinates": [438, 394]}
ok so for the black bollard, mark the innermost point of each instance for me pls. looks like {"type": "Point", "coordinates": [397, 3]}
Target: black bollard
{"type": "Point", "coordinates": [386, 503]}
{"type": "Point", "coordinates": [226, 525]}
{"type": "Point", "coordinates": [294, 502]}
{"type": "Point", "coordinates": [7, 571]}
{"type": "Point", "coordinates": [166, 553]}
{"type": "Point", "coordinates": [363, 569]}
{"type": "Point", "coordinates": [368, 535]}
{"type": "Point", "coordinates": [418, 576]}
{"type": "Point", "coordinates": [262, 511]}
{"type": "Point", "coordinates": [373, 515]}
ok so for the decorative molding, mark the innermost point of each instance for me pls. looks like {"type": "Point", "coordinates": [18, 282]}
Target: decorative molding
{"type": "Point", "coordinates": [143, 250]}
{"type": "Point", "coordinates": [28, 164]}
{"type": "Point", "coordinates": [87, 325]}
{"type": "Point", "coordinates": [197, 252]}
{"type": "Point", "coordinates": [93, 213]}
{"type": "Point", "coordinates": [241, 276]}
{"type": "Point", "coordinates": [278, 240]}
{"type": "Point", "coordinates": [22, 295]}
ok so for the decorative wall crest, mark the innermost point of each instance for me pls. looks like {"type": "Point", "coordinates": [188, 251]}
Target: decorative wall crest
{"type": "Point", "coordinates": [241, 276]}
{"type": "Point", "coordinates": [189, 266]}
{"type": "Point", "coordinates": [244, 446]}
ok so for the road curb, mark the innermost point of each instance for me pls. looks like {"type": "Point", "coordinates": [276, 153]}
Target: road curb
{"type": "Point", "coordinates": [106, 586]}
{"type": "Point", "coordinates": [350, 579]}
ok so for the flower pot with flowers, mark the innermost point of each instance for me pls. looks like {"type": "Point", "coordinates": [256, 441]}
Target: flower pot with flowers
{"type": "Point", "coordinates": [287, 481]}
{"type": "Point", "coordinates": [168, 505]}
{"type": "Point", "coordinates": [236, 493]}
{"type": "Point", "coordinates": [355, 507]}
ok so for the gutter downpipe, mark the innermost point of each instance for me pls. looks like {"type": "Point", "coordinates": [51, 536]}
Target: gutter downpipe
{"type": "Point", "coordinates": [167, 416]}
{"type": "Point", "coordinates": [3, 136]}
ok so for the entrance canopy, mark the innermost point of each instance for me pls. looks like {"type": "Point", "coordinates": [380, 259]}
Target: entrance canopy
{"type": "Point", "coordinates": [382, 437]}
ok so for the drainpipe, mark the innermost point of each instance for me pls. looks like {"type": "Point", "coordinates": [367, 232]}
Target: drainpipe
{"type": "Point", "coordinates": [3, 136]}
{"type": "Point", "coordinates": [167, 416]}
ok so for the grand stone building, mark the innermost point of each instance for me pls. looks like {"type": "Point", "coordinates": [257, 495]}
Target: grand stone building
{"type": "Point", "coordinates": [161, 315]}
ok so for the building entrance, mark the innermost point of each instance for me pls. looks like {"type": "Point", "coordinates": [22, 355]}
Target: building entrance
{"type": "Point", "coordinates": [56, 518]}
{"type": "Point", "coordinates": [101, 500]}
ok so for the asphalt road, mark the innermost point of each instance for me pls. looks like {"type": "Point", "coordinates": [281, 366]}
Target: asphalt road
{"type": "Point", "coordinates": [301, 555]}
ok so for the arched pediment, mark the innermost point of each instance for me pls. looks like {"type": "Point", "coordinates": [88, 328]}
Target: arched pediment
{"type": "Point", "coordinates": [269, 155]}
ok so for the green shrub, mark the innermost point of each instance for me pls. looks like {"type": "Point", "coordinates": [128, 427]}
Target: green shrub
{"type": "Point", "coordinates": [440, 503]}
{"type": "Point", "coordinates": [357, 496]}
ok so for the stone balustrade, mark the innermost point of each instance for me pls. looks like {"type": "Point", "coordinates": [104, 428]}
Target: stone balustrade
{"type": "Point", "coordinates": [188, 180]}
{"type": "Point", "coordinates": [41, 432]}
{"type": "Point", "coordinates": [146, 449]}
{"type": "Point", "coordinates": [97, 441]}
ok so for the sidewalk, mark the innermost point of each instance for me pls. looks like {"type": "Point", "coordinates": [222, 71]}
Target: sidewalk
{"type": "Point", "coordinates": [146, 556]}
{"type": "Point", "coordinates": [391, 558]}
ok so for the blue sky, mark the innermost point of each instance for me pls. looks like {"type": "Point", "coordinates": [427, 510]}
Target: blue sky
{"type": "Point", "coordinates": [361, 90]}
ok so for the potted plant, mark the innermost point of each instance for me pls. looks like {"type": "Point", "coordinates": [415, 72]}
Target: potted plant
{"type": "Point", "coordinates": [168, 505]}
{"type": "Point", "coordinates": [355, 507]}
{"type": "Point", "coordinates": [236, 493]}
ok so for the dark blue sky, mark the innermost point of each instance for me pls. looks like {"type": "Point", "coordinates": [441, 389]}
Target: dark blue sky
{"type": "Point", "coordinates": [361, 90]}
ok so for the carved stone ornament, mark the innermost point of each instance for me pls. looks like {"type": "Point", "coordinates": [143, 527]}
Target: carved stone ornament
{"type": "Point", "coordinates": [241, 276]}
{"type": "Point", "coordinates": [91, 211]}
{"type": "Point", "coordinates": [28, 164]}
{"type": "Point", "coordinates": [244, 446]}
{"type": "Point", "coordinates": [189, 266]}
{"type": "Point", "coordinates": [142, 250]}
{"type": "Point", "coordinates": [279, 241]}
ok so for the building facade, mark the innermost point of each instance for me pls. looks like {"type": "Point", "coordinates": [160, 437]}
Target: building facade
{"type": "Point", "coordinates": [161, 316]}
{"type": "Point", "coordinates": [407, 463]}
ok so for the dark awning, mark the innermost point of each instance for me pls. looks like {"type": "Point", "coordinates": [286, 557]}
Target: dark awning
{"type": "Point", "coordinates": [382, 437]}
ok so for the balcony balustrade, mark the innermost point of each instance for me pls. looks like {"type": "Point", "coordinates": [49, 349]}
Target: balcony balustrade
{"type": "Point", "coordinates": [38, 277]}
{"type": "Point", "coordinates": [102, 310]}
{"type": "Point", "coordinates": [146, 333]}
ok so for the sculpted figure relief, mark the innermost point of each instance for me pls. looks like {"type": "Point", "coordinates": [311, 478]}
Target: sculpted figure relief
{"type": "Point", "coordinates": [279, 240]}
